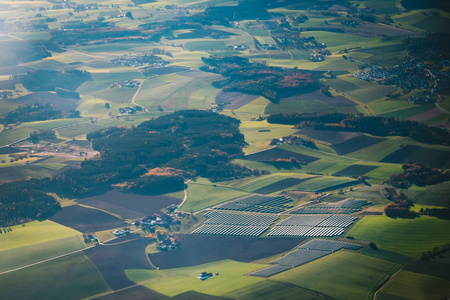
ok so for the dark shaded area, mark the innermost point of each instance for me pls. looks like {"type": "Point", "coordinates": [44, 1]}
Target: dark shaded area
{"type": "Point", "coordinates": [121, 254]}
{"type": "Point", "coordinates": [329, 136]}
{"type": "Point", "coordinates": [139, 2]}
{"type": "Point", "coordinates": [197, 296]}
{"type": "Point", "coordinates": [355, 170]}
{"type": "Point", "coordinates": [425, 4]}
{"type": "Point", "coordinates": [65, 104]}
{"type": "Point", "coordinates": [86, 219]}
{"type": "Point", "coordinates": [81, 143]}
{"type": "Point", "coordinates": [138, 292]}
{"type": "Point", "coordinates": [11, 70]}
{"type": "Point", "coordinates": [197, 249]}
{"type": "Point", "coordinates": [9, 174]}
{"type": "Point", "coordinates": [276, 153]}
{"type": "Point", "coordinates": [10, 150]}
{"type": "Point", "coordinates": [73, 163]}
{"type": "Point", "coordinates": [355, 144]}
{"type": "Point", "coordinates": [400, 155]}
{"type": "Point", "coordinates": [281, 185]}
{"type": "Point", "coordinates": [338, 186]}
{"type": "Point", "coordinates": [129, 205]}
{"type": "Point", "coordinates": [8, 84]}
{"type": "Point", "coordinates": [233, 100]}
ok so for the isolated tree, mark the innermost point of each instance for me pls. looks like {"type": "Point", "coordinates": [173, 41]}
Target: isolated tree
{"type": "Point", "coordinates": [129, 15]}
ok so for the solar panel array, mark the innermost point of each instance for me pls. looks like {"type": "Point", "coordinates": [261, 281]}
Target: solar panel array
{"type": "Point", "coordinates": [342, 207]}
{"type": "Point", "coordinates": [226, 218]}
{"type": "Point", "coordinates": [299, 257]}
{"type": "Point", "coordinates": [270, 271]}
{"type": "Point", "coordinates": [258, 203]}
{"type": "Point", "coordinates": [330, 246]}
{"type": "Point", "coordinates": [233, 230]}
{"type": "Point", "coordinates": [307, 252]}
{"type": "Point", "coordinates": [312, 225]}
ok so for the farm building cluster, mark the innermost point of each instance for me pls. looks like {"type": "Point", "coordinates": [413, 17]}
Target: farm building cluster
{"type": "Point", "coordinates": [125, 84]}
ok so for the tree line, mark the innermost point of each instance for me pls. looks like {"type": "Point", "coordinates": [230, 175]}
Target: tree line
{"type": "Point", "coordinates": [36, 112]}
{"type": "Point", "coordinates": [375, 125]}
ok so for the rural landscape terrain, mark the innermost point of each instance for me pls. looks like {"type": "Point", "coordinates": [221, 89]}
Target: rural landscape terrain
{"type": "Point", "coordinates": [225, 149]}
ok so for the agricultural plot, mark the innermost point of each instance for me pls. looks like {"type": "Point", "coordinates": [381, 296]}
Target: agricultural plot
{"type": "Point", "coordinates": [72, 277]}
{"type": "Point", "coordinates": [9, 174]}
{"type": "Point", "coordinates": [401, 154]}
{"type": "Point", "coordinates": [355, 170]}
{"type": "Point", "coordinates": [138, 292]}
{"type": "Point", "coordinates": [112, 259]}
{"type": "Point", "coordinates": [65, 104]}
{"type": "Point", "coordinates": [233, 100]}
{"type": "Point", "coordinates": [281, 185]}
{"type": "Point", "coordinates": [166, 70]}
{"type": "Point", "coordinates": [410, 237]}
{"type": "Point", "coordinates": [344, 206]}
{"type": "Point", "coordinates": [86, 219]}
{"type": "Point", "coordinates": [306, 253]}
{"type": "Point", "coordinates": [33, 233]}
{"type": "Point", "coordinates": [200, 249]}
{"type": "Point", "coordinates": [127, 205]}
{"type": "Point", "coordinates": [355, 144]}
{"type": "Point", "coordinates": [333, 137]}
{"type": "Point", "coordinates": [324, 184]}
{"type": "Point", "coordinates": [232, 230]}
{"type": "Point", "coordinates": [276, 153]}
{"type": "Point", "coordinates": [347, 275]}
{"type": "Point", "coordinates": [415, 286]}
{"type": "Point", "coordinates": [257, 203]}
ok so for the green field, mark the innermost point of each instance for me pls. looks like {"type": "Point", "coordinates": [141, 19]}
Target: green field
{"type": "Point", "coordinates": [432, 195]}
{"type": "Point", "coordinates": [202, 194]}
{"type": "Point", "coordinates": [325, 182]}
{"type": "Point", "coordinates": [179, 280]}
{"type": "Point", "coordinates": [71, 277]}
{"type": "Point", "coordinates": [363, 275]}
{"type": "Point", "coordinates": [410, 285]}
{"type": "Point", "coordinates": [410, 237]}
{"type": "Point", "coordinates": [18, 257]}
{"type": "Point", "coordinates": [34, 233]}
{"type": "Point", "coordinates": [205, 45]}
{"type": "Point", "coordinates": [270, 290]}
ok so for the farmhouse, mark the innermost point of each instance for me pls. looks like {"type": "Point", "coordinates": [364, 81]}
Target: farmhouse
{"type": "Point", "coordinates": [205, 275]}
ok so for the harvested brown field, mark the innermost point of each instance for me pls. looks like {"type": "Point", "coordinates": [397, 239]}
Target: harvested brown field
{"type": "Point", "coordinates": [114, 258]}
{"type": "Point", "coordinates": [431, 114]}
{"type": "Point", "coordinates": [86, 219]}
{"type": "Point", "coordinates": [329, 136]}
{"type": "Point", "coordinates": [200, 249]}
{"type": "Point", "coordinates": [65, 104]}
{"type": "Point", "coordinates": [9, 174]}
{"type": "Point", "coordinates": [128, 205]}
{"type": "Point", "coordinates": [138, 292]}
{"type": "Point", "coordinates": [276, 153]}
{"type": "Point", "coordinates": [355, 170]}
{"type": "Point", "coordinates": [234, 100]}
{"type": "Point", "coordinates": [280, 185]}
{"type": "Point", "coordinates": [355, 144]}
{"type": "Point", "coordinates": [400, 155]}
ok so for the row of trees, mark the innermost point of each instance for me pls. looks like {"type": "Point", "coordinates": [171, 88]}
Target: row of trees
{"type": "Point", "coordinates": [36, 112]}
{"type": "Point", "coordinates": [375, 125]}
{"type": "Point", "coordinates": [418, 174]}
